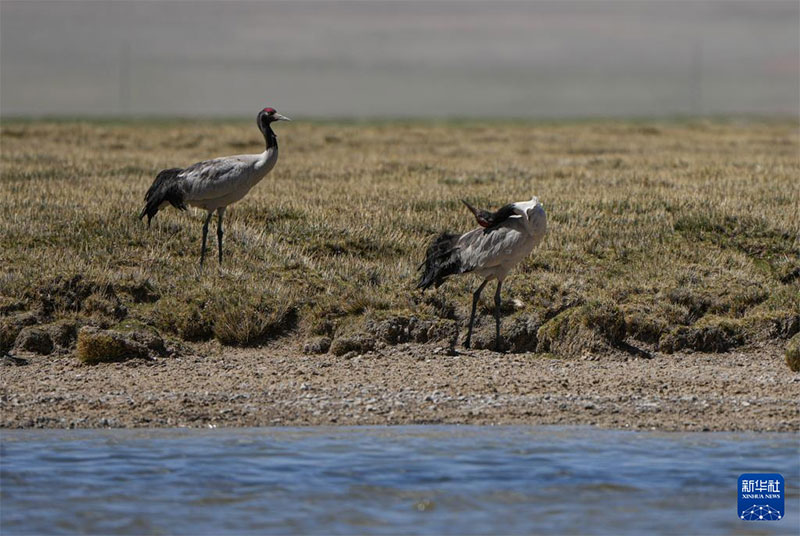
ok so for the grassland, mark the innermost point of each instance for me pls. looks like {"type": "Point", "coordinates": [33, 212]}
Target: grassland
{"type": "Point", "coordinates": [662, 235]}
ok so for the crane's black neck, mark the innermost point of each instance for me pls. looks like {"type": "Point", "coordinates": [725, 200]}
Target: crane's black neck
{"type": "Point", "coordinates": [270, 137]}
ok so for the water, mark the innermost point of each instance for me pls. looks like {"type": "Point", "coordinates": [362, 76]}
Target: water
{"type": "Point", "coordinates": [397, 480]}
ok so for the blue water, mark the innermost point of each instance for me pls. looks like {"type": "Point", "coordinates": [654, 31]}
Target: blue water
{"type": "Point", "coordinates": [396, 480]}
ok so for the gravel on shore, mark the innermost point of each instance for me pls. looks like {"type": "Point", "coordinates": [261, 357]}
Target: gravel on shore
{"type": "Point", "coordinates": [407, 384]}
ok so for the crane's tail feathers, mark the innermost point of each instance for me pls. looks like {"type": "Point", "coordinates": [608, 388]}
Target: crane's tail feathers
{"type": "Point", "coordinates": [437, 256]}
{"type": "Point", "coordinates": [167, 188]}
{"type": "Point", "coordinates": [441, 261]}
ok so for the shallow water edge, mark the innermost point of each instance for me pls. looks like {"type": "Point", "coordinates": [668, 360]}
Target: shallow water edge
{"type": "Point", "coordinates": [388, 480]}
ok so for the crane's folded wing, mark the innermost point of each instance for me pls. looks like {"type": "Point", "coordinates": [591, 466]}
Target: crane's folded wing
{"type": "Point", "coordinates": [484, 250]}
{"type": "Point", "coordinates": [220, 177]}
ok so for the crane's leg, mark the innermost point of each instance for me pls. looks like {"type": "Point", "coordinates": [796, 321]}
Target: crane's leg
{"type": "Point", "coordinates": [497, 302]}
{"type": "Point", "coordinates": [220, 214]}
{"type": "Point", "coordinates": [475, 297]}
{"type": "Point", "coordinates": [205, 235]}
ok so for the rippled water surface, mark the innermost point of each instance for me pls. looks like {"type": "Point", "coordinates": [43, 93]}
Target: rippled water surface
{"type": "Point", "coordinates": [397, 480]}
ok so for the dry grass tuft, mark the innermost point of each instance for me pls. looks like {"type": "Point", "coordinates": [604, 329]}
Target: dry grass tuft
{"type": "Point", "coordinates": [686, 237]}
{"type": "Point", "coordinates": [106, 346]}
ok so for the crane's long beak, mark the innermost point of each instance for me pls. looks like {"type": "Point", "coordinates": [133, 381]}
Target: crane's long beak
{"type": "Point", "coordinates": [471, 208]}
{"type": "Point", "coordinates": [481, 216]}
{"type": "Point", "coordinates": [279, 117]}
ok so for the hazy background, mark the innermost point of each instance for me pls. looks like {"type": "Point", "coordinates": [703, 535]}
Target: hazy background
{"type": "Point", "coordinates": [406, 59]}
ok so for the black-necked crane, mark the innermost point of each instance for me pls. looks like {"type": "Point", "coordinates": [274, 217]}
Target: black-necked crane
{"type": "Point", "coordinates": [214, 184]}
{"type": "Point", "coordinates": [504, 238]}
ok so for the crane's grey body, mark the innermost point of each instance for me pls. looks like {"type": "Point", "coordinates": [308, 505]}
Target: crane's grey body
{"type": "Point", "coordinates": [223, 181]}
{"type": "Point", "coordinates": [214, 184]}
{"type": "Point", "coordinates": [490, 251]}
{"type": "Point", "coordinates": [493, 254]}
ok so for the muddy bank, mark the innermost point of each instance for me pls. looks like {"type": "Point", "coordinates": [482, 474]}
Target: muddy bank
{"type": "Point", "coordinates": [405, 384]}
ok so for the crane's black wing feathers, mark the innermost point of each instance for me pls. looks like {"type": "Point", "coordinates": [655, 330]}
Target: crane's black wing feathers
{"type": "Point", "coordinates": [441, 261]}
{"type": "Point", "coordinates": [168, 187]}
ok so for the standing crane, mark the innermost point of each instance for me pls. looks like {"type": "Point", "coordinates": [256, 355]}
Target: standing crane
{"type": "Point", "coordinates": [214, 184]}
{"type": "Point", "coordinates": [504, 238]}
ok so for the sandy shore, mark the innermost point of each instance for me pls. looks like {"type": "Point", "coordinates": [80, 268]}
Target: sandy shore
{"type": "Point", "coordinates": [752, 390]}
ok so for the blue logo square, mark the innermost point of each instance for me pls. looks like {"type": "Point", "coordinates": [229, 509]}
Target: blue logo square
{"type": "Point", "coordinates": [761, 497]}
